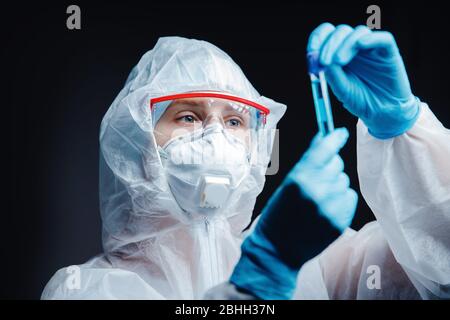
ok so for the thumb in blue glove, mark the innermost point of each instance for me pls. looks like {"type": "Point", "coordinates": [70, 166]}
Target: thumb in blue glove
{"type": "Point", "coordinates": [366, 73]}
{"type": "Point", "coordinates": [320, 173]}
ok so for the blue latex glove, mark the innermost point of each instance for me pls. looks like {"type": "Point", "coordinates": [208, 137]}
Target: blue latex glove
{"type": "Point", "coordinates": [366, 73]}
{"type": "Point", "coordinates": [310, 209]}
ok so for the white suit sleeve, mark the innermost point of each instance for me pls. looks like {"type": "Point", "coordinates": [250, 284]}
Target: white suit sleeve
{"type": "Point", "coordinates": [406, 182]}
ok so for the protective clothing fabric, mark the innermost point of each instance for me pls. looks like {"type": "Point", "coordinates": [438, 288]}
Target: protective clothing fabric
{"type": "Point", "coordinates": [152, 250]}
{"type": "Point", "coordinates": [282, 240]}
{"type": "Point", "coordinates": [405, 253]}
{"type": "Point", "coordinates": [366, 73]}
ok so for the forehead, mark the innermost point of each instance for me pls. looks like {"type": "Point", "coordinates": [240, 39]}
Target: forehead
{"type": "Point", "coordinates": [203, 102]}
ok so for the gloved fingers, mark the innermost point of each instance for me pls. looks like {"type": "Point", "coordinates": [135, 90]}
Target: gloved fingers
{"type": "Point", "coordinates": [379, 40]}
{"type": "Point", "coordinates": [332, 43]}
{"type": "Point", "coordinates": [316, 139]}
{"type": "Point", "coordinates": [338, 81]}
{"type": "Point", "coordinates": [324, 187]}
{"type": "Point", "coordinates": [332, 168]}
{"type": "Point", "coordinates": [348, 48]}
{"type": "Point", "coordinates": [343, 86]}
{"type": "Point", "coordinates": [340, 183]}
{"type": "Point", "coordinates": [340, 208]}
{"type": "Point", "coordinates": [324, 149]}
{"type": "Point", "coordinates": [318, 36]}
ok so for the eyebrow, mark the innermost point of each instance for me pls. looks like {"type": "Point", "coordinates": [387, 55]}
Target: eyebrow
{"type": "Point", "coordinates": [191, 102]}
{"type": "Point", "coordinates": [200, 102]}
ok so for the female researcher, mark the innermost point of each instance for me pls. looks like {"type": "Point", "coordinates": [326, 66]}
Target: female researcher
{"type": "Point", "coordinates": [184, 149]}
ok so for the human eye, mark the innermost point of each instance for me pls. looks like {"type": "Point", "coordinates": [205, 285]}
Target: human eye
{"type": "Point", "coordinates": [234, 122]}
{"type": "Point", "coordinates": [187, 118]}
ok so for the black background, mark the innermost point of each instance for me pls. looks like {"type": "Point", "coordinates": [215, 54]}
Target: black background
{"type": "Point", "coordinates": [59, 83]}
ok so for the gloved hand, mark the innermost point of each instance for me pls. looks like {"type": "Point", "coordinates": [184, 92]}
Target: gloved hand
{"type": "Point", "coordinates": [310, 209]}
{"type": "Point", "coordinates": [366, 73]}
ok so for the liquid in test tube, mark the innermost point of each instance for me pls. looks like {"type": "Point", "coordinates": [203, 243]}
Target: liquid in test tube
{"type": "Point", "coordinates": [320, 94]}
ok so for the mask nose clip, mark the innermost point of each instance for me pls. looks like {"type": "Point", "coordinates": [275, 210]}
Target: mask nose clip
{"type": "Point", "coordinates": [214, 191]}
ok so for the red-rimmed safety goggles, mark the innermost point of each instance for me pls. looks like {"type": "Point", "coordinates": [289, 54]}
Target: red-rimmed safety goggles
{"type": "Point", "coordinates": [233, 110]}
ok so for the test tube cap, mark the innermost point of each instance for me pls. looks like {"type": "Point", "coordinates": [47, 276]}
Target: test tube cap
{"type": "Point", "coordinates": [312, 59]}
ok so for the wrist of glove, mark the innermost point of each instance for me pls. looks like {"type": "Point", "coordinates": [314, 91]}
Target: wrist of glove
{"type": "Point", "coordinates": [388, 125]}
{"type": "Point", "coordinates": [272, 255]}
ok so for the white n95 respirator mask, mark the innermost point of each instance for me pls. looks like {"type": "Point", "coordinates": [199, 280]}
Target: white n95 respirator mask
{"type": "Point", "coordinates": [205, 168]}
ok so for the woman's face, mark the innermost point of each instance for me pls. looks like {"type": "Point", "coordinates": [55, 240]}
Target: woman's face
{"type": "Point", "coordinates": [186, 115]}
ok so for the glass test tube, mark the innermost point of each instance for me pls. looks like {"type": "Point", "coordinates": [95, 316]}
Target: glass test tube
{"type": "Point", "coordinates": [320, 94]}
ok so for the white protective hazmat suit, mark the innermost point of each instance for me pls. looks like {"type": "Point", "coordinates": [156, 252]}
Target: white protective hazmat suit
{"type": "Point", "coordinates": [151, 250]}
{"type": "Point", "coordinates": [151, 253]}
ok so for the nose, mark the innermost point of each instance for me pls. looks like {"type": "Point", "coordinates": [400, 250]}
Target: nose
{"type": "Point", "coordinates": [212, 120]}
